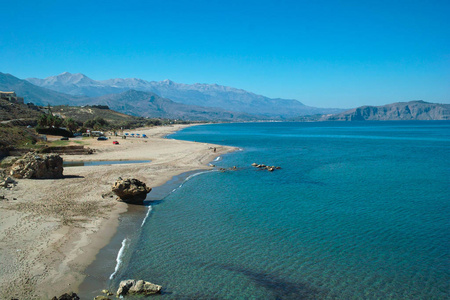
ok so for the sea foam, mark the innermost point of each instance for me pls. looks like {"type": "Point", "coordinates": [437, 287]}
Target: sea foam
{"type": "Point", "coordinates": [146, 216]}
{"type": "Point", "coordinates": [119, 257]}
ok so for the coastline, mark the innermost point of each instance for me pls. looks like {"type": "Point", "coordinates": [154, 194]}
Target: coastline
{"type": "Point", "coordinates": [55, 228]}
{"type": "Point", "coordinates": [106, 263]}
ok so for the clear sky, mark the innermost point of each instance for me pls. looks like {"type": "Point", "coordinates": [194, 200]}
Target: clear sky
{"type": "Point", "coordinates": [323, 53]}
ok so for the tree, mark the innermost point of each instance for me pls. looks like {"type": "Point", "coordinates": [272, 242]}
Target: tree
{"type": "Point", "coordinates": [42, 120]}
{"type": "Point", "coordinates": [97, 124]}
{"type": "Point", "coordinates": [49, 120]}
{"type": "Point", "coordinates": [57, 121]}
{"type": "Point", "coordinates": [70, 124]}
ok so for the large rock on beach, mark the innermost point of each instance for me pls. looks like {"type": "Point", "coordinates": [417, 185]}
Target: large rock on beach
{"type": "Point", "coordinates": [32, 165]}
{"type": "Point", "coordinates": [131, 190]}
{"type": "Point", "coordinates": [137, 287]}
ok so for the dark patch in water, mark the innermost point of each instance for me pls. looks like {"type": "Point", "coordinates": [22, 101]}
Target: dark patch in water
{"type": "Point", "coordinates": [279, 288]}
{"type": "Point", "coordinates": [314, 182]}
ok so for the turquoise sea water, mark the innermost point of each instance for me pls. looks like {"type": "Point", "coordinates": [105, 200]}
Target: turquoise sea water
{"type": "Point", "coordinates": [358, 211]}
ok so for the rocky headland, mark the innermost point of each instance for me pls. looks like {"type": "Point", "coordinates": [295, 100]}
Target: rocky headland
{"type": "Point", "coordinates": [401, 111]}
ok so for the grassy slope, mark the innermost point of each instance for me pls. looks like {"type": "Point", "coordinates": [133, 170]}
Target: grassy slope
{"type": "Point", "coordinates": [11, 111]}
{"type": "Point", "coordinates": [83, 114]}
{"type": "Point", "coordinates": [16, 136]}
{"type": "Point", "coordinates": [11, 134]}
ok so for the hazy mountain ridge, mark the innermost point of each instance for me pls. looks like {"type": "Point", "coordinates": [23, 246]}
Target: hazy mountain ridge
{"type": "Point", "coordinates": [200, 94]}
{"type": "Point", "coordinates": [132, 102]}
{"type": "Point", "coordinates": [413, 110]}
{"type": "Point", "coordinates": [147, 104]}
{"type": "Point", "coordinates": [33, 93]}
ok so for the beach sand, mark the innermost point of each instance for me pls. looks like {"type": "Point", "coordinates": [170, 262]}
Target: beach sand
{"type": "Point", "coordinates": [52, 229]}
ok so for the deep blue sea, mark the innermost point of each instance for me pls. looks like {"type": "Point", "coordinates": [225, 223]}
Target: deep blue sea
{"type": "Point", "coordinates": [357, 211]}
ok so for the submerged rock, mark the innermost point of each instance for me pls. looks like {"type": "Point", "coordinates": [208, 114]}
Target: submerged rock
{"type": "Point", "coordinates": [131, 190]}
{"type": "Point", "coordinates": [263, 166]}
{"type": "Point", "coordinates": [137, 287]}
{"type": "Point", "coordinates": [32, 165]}
{"type": "Point", "coordinates": [101, 297]}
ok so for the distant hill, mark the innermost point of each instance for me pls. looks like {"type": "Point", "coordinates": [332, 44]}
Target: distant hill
{"type": "Point", "coordinates": [205, 95]}
{"type": "Point", "coordinates": [413, 110]}
{"type": "Point", "coordinates": [147, 104]}
{"type": "Point", "coordinates": [33, 93]}
{"type": "Point", "coordinates": [84, 113]}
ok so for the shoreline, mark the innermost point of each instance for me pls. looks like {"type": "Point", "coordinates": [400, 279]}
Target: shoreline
{"type": "Point", "coordinates": [56, 227]}
{"type": "Point", "coordinates": [98, 274]}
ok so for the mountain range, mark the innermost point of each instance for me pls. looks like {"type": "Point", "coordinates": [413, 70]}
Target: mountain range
{"type": "Point", "coordinates": [145, 104]}
{"type": "Point", "coordinates": [206, 102]}
{"type": "Point", "coordinates": [203, 95]}
{"type": "Point", "coordinates": [33, 93]}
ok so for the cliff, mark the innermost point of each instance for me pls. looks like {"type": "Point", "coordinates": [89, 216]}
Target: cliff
{"type": "Point", "coordinates": [413, 110]}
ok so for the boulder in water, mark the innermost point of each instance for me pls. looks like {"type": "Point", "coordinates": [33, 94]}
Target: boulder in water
{"type": "Point", "coordinates": [137, 287]}
{"type": "Point", "coordinates": [67, 296]}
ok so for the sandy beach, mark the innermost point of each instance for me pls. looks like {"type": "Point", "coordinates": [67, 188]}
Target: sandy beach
{"type": "Point", "coordinates": [51, 230]}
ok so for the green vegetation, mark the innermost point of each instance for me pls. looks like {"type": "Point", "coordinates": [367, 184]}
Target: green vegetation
{"type": "Point", "coordinates": [17, 136]}
{"type": "Point", "coordinates": [100, 117]}
{"type": "Point", "coordinates": [14, 111]}
{"type": "Point", "coordinates": [17, 121]}
{"type": "Point", "coordinates": [60, 143]}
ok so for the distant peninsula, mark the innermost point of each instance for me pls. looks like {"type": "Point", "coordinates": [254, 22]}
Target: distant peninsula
{"type": "Point", "coordinates": [400, 111]}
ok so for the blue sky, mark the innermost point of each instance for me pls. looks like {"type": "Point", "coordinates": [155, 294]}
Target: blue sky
{"type": "Point", "coordinates": [323, 53]}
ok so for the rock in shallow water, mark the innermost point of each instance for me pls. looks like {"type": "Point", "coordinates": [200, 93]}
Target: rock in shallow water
{"type": "Point", "coordinates": [67, 296]}
{"type": "Point", "coordinates": [102, 298]}
{"type": "Point", "coordinates": [137, 287]}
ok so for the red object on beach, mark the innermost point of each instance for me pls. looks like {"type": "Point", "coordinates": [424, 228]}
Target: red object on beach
{"type": "Point", "coordinates": [115, 143]}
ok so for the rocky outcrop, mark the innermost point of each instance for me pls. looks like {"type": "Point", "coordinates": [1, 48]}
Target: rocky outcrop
{"type": "Point", "coordinates": [131, 190]}
{"type": "Point", "coordinates": [67, 296]}
{"type": "Point", "coordinates": [32, 165]}
{"type": "Point", "coordinates": [413, 110]}
{"type": "Point", "coordinates": [234, 168]}
{"type": "Point", "coordinates": [101, 297]}
{"type": "Point", "coordinates": [268, 168]}
{"type": "Point", "coordinates": [137, 287]}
